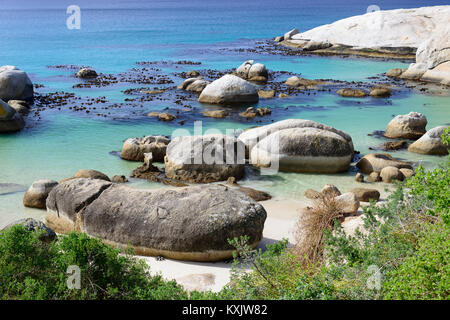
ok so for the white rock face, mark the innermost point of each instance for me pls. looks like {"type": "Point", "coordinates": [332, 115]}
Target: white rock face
{"type": "Point", "coordinates": [386, 28]}
{"type": "Point", "coordinates": [432, 58]}
{"type": "Point", "coordinates": [15, 84]}
{"type": "Point", "coordinates": [229, 89]}
{"type": "Point", "coordinates": [252, 71]}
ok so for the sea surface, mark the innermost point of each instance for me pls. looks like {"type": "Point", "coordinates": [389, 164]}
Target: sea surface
{"type": "Point", "coordinates": [114, 35]}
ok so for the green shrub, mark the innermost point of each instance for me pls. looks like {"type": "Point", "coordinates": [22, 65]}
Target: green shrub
{"type": "Point", "coordinates": [32, 269]}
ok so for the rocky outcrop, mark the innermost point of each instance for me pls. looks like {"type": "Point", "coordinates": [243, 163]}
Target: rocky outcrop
{"type": "Point", "coordinates": [252, 136]}
{"type": "Point", "coordinates": [252, 71]}
{"type": "Point", "coordinates": [347, 203]}
{"type": "Point", "coordinates": [380, 29]}
{"type": "Point", "coordinates": [15, 84]}
{"type": "Point", "coordinates": [10, 119]}
{"type": "Point", "coordinates": [303, 150]}
{"type": "Point", "coordinates": [134, 148]}
{"type": "Point", "coordinates": [408, 126]}
{"type": "Point", "coordinates": [37, 193]}
{"type": "Point", "coordinates": [377, 161]}
{"type": "Point", "coordinates": [87, 73]}
{"type": "Point", "coordinates": [218, 114]}
{"type": "Point", "coordinates": [191, 223]}
{"type": "Point", "coordinates": [354, 93]}
{"type": "Point", "coordinates": [204, 159]}
{"type": "Point", "coordinates": [229, 89]}
{"type": "Point", "coordinates": [194, 85]}
{"type": "Point", "coordinates": [430, 143]}
{"type": "Point", "coordinates": [433, 57]}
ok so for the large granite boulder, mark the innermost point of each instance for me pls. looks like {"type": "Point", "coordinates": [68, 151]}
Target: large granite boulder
{"type": "Point", "coordinates": [204, 159]}
{"type": "Point", "coordinates": [303, 150]}
{"type": "Point", "coordinates": [134, 148]}
{"type": "Point", "coordinates": [10, 119]}
{"type": "Point", "coordinates": [407, 126]}
{"type": "Point", "coordinates": [375, 162]}
{"type": "Point", "coordinates": [229, 89]}
{"type": "Point", "coordinates": [37, 193]}
{"type": "Point", "coordinates": [191, 223]}
{"type": "Point", "coordinates": [252, 71]}
{"type": "Point", "coordinates": [430, 143]}
{"type": "Point", "coordinates": [252, 136]}
{"type": "Point", "coordinates": [15, 84]}
{"type": "Point", "coordinates": [389, 174]}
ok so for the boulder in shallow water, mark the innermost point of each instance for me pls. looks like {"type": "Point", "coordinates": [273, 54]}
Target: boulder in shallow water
{"type": "Point", "coordinates": [194, 85]}
{"type": "Point", "coordinates": [10, 119]}
{"type": "Point", "coordinates": [229, 89]}
{"type": "Point", "coordinates": [218, 114]}
{"type": "Point", "coordinates": [252, 71]}
{"type": "Point", "coordinates": [395, 73]}
{"type": "Point", "coordinates": [37, 193]}
{"type": "Point", "coordinates": [374, 177]}
{"type": "Point", "coordinates": [87, 73]}
{"type": "Point", "coordinates": [252, 136]}
{"type": "Point", "coordinates": [191, 223]}
{"type": "Point", "coordinates": [355, 93]}
{"type": "Point", "coordinates": [408, 126]}
{"type": "Point", "coordinates": [134, 148]}
{"type": "Point", "coordinates": [204, 159]}
{"type": "Point", "coordinates": [389, 174]}
{"type": "Point", "coordinates": [377, 161]}
{"type": "Point", "coordinates": [303, 150]}
{"type": "Point", "coordinates": [430, 143]}
{"type": "Point", "coordinates": [15, 84]}
{"type": "Point", "coordinates": [380, 92]}
{"type": "Point", "coordinates": [266, 94]}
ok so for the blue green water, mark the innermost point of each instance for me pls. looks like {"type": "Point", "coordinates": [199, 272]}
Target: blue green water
{"type": "Point", "coordinates": [114, 35]}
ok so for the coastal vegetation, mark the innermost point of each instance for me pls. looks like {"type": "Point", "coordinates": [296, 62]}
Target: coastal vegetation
{"type": "Point", "coordinates": [402, 252]}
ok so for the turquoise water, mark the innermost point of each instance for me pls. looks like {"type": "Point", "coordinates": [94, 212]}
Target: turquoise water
{"type": "Point", "coordinates": [114, 36]}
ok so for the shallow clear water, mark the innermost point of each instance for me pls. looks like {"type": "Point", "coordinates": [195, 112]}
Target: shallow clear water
{"type": "Point", "coordinates": [112, 40]}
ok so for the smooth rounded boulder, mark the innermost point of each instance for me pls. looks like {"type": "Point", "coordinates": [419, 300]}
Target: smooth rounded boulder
{"type": "Point", "coordinates": [310, 150]}
{"type": "Point", "coordinates": [355, 93]}
{"type": "Point", "coordinates": [204, 159]}
{"type": "Point", "coordinates": [133, 149]}
{"type": "Point", "coordinates": [377, 161]}
{"type": "Point", "coordinates": [194, 85]}
{"type": "Point", "coordinates": [389, 174]}
{"type": "Point", "coordinates": [36, 195]}
{"type": "Point", "coordinates": [229, 89]}
{"type": "Point", "coordinates": [15, 84]}
{"type": "Point", "coordinates": [90, 174]}
{"type": "Point", "coordinates": [191, 223]}
{"type": "Point", "coordinates": [10, 119]}
{"type": "Point", "coordinates": [430, 143]}
{"type": "Point", "coordinates": [366, 195]}
{"type": "Point", "coordinates": [252, 136]}
{"type": "Point", "coordinates": [408, 126]}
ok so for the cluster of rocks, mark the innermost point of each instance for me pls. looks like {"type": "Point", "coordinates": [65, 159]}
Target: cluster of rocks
{"type": "Point", "coordinates": [376, 92]}
{"type": "Point", "coordinates": [383, 167]}
{"type": "Point", "coordinates": [413, 127]}
{"type": "Point", "coordinates": [251, 112]}
{"type": "Point", "coordinates": [133, 149]}
{"type": "Point", "coordinates": [252, 71]}
{"type": "Point", "coordinates": [17, 89]}
{"type": "Point", "coordinates": [190, 223]}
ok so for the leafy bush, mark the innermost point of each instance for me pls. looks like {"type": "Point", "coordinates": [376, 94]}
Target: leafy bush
{"type": "Point", "coordinates": [32, 269]}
